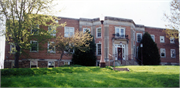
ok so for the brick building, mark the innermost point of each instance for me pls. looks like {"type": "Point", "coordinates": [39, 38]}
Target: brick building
{"type": "Point", "coordinates": [121, 40]}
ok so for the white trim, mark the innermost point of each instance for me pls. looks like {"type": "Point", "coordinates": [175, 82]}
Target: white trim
{"type": "Point", "coordinates": [52, 34]}
{"type": "Point", "coordinates": [152, 38]}
{"type": "Point", "coordinates": [87, 29]}
{"type": "Point", "coordinates": [50, 65]}
{"type": "Point", "coordinates": [162, 37]}
{"type": "Point", "coordinates": [137, 37]}
{"type": "Point", "coordinates": [11, 48]}
{"type": "Point", "coordinates": [161, 49]}
{"type": "Point", "coordinates": [51, 50]}
{"type": "Point", "coordinates": [172, 38]}
{"type": "Point", "coordinates": [68, 62]}
{"type": "Point", "coordinates": [97, 32]}
{"type": "Point", "coordinates": [120, 30]}
{"type": "Point", "coordinates": [35, 61]}
{"type": "Point", "coordinates": [65, 28]}
{"type": "Point", "coordinates": [97, 49]}
{"type": "Point", "coordinates": [171, 53]}
{"type": "Point", "coordinates": [37, 29]}
{"type": "Point", "coordinates": [37, 46]}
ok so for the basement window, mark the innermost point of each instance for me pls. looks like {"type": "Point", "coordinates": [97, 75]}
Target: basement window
{"type": "Point", "coordinates": [51, 64]}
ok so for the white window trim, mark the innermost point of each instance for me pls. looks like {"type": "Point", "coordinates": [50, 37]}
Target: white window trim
{"type": "Point", "coordinates": [48, 48]}
{"type": "Point", "coordinates": [97, 49]}
{"type": "Point", "coordinates": [37, 46]}
{"type": "Point", "coordinates": [11, 48]}
{"type": "Point", "coordinates": [71, 52]}
{"type": "Point", "coordinates": [97, 32]}
{"type": "Point", "coordinates": [173, 40]}
{"type": "Point", "coordinates": [68, 27]}
{"type": "Point", "coordinates": [120, 30]}
{"type": "Point", "coordinates": [165, 52]}
{"type": "Point", "coordinates": [171, 53]}
{"type": "Point", "coordinates": [32, 29]}
{"type": "Point", "coordinates": [86, 28]}
{"type": "Point", "coordinates": [160, 39]}
{"type": "Point", "coordinates": [50, 61]}
{"type": "Point", "coordinates": [36, 63]}
{"type": "Point", "coordinates": [54, 34]}
{"type": "Point", "coordinates": [154, 37]}
{"type": "Point", "coordinates": [67, 61]}
{"type": "Point", "coordinates": [137, 37]}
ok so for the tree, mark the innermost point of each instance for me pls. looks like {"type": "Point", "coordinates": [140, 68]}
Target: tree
{"type": "Point", "coordinates": [87, 58]}
{"type": "Point", "coordinates": [174, 20]}
{"type": "Point", "coordinates": [66, 45]}
{"type": "Point", "coordinates": [150, 52]}
{"type": "Point", "coordinates": [22, 18]}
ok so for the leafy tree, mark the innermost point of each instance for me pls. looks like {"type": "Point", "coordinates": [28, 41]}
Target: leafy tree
{"type": "Point", "coordinates": [173, 19]}
{"type": "Point", "coordinates": [150, 52]}
{"type": "Point", "coordinates": [23, 15]}
{"type": "Point", "coordinates": [87, 58]}
{"type": "Point", "coordinates": [66, 45]}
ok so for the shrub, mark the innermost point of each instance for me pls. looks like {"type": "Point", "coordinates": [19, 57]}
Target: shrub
{"type": "Point", "coordinates": [150, 52]}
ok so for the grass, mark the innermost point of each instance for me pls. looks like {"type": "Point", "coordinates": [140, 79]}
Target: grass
{"type": "Point", "coordinates": [138, 76]}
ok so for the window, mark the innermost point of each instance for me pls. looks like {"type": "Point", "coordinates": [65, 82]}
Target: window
{"type": "Point", "coordinates": [68, 31]}
{"type": "Point", "coordinates": [139, 37]}
{"type": "Point", "coordinates": [33, 63]}
{"type": "Point", "coordinates": [51, 48]}
{"type": "Point", "coordinates": [12, 48]}
{"type": "Point", "coordinates": [51, 64]}
{"type": "Point", "coordinates": [52, 30]}
{"type": "Point", "coordinates": [119, 32]}
{"type": "Point", "coordinates": [153, 37]}
{"type": "Point", "coordinates": [98, 49]}
{"type": "Point", "coordinates": [35, 29]}
{"type": "Point", "coordinates": [98, 32]}
{"type": "Point", "coordinates": [69, 49]}
{"type": "Point", "coordinates": [66, 63]}
{"type": "Point", "coordinates": [34, 46]}
{"type": "Point", "coordinates": [85, 29]}
{"type": "Point", "coordinates": [171, 39]}
{"type": "Point", "coordinates": [162, 39]}
{"type": "Point", "coordinates": [173, 53]}
{"type": "Point", "coordinates": [163, 52]}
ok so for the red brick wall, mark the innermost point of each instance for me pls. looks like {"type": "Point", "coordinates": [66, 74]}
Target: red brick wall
{"type": "Point", "coordinates": [167, 45]}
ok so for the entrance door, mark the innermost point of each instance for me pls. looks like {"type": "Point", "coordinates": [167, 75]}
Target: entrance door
{"type": "Point", "coordinates": [119, 53]}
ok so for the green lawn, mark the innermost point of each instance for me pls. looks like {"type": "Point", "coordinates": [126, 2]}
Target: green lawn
{"type": "Point", "coordinates": [138, 76]}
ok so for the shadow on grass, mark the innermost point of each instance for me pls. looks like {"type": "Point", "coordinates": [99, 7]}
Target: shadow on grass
{"type": "Point", "coordinates": [98, 79]}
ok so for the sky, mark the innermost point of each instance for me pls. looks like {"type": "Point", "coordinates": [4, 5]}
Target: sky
{"type": "Point", "coordinates": [144, 12]}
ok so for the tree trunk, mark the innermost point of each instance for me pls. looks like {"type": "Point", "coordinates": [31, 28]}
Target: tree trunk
{"type": "Point", "coordinates": [17, 54]}
{"type": "Point", "coordinates": [60, 58]}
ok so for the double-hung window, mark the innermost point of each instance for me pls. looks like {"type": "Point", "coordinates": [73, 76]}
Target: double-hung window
{"type": "Point", "coordinates": [69, 49]}
{"type": "Point", "coordinates": [68, 31]}
{"type": "Point", "coordinates": [162, 52]}
{"type": "Point", "coordinates": [139, 37]}
{"type": "Point", "coordinates": [66, 63]}
{"type": "Point", "coordinates": [120, 32]}
{"type": "Point", "coordinates": [52, 30]}
{"type": "Point", "coordinates": [35, 29]}
{"type": "Point", "coordinates": [51, 47]}
{"type": "Point", "coordinates": [98, 32]}
{"type": "Point", "coordinates": [85, 29]}
{"type": "Point", "coordinates": [34, 46]}
{"type": "Point", "coordinates": [171, 39]}
{"type": "Point", "coordinates": [162, 39]}
{"type": "Point", "coordinates": [12, 48]}
{"type": "Point", "coordinates": [153, 37]}
{"type": "Point", "coordinates": [173, 53]}
{"type": "Point", "coordinates": [98, 49]}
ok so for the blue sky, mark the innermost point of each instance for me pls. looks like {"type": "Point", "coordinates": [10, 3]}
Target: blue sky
{"type": "Point", "coordinates": [145, 12]}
